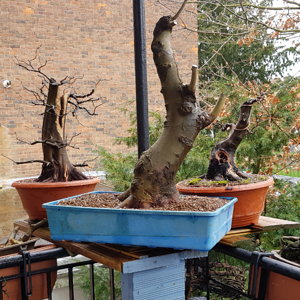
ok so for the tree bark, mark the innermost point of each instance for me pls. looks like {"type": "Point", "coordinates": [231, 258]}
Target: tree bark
{"type": "Point", "coordinates": [57, 166]}
{"type": "Point", "coordinates": [222, 165]}
{"type": "Point", "coordinates": [154, 173]}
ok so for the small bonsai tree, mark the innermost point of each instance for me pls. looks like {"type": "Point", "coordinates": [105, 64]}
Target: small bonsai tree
{"type": "Point", "coordinates": [59, 101]}
{"type": "Point", "coordinates": [222, 159]}
{"type": "Point", "coordinates": [154, 174]}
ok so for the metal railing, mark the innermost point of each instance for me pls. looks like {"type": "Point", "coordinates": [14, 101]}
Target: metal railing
{"type": "Point", "coordinates": [260, 266]}
{"type": "Point", "coordinates": [258, 261]}
{"type": "Point", "coordinates": [24, 273]}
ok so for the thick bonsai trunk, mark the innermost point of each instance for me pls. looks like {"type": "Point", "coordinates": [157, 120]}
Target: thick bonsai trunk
{"type": "Point", "coordinates": [221, 164]}
{"type": "Point", "coordinates": [58, 166]}
{"type": "Point", "coordinates": [154, 174]}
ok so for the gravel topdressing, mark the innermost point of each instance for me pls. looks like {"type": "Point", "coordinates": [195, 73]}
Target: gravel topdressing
{"type": "Point", "coordinates": [185, 203]}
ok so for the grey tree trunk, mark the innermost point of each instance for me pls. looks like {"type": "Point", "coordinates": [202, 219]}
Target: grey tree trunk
{"type": "Point", "coordinates": [154, 173]}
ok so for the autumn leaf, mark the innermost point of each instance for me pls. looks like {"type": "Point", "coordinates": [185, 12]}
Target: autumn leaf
{"type": "Point", "coordinates": [273, 99]}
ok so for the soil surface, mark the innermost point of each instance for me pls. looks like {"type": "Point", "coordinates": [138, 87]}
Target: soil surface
{"type": "Point", "coordinates": [185, 203]}
{"type": "Point", "coordinates": [201, 182]}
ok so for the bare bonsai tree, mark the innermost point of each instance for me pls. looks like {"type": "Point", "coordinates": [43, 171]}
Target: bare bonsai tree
{"type": "Point", "coordinates": [154, 173]}
{"type": "Point", "coordinates": [59, 101]}
{"type": "Point", "coordinates": [221, 163]}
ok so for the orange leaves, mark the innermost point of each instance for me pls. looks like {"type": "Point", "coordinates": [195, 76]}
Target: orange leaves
{"type": "Point", "coordinates": [272, 99]}
{"type": "Point", "coordinates": [296, 91]}
{"type": "Point", "coordinates": [286, 149]}
{"type": "Point", "coordinates": [289, 23]}
{"type": "Point", "coordinates": [247, 40]}
{"type": "Point", "coordinates": [274, 35]}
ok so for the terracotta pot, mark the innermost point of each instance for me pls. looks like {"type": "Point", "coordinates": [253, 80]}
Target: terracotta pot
{"type": "Point", "coordinates": [251, 199]}
{"type": "Point", "coordinates": [34, 194]}
{"type": "Point", "coordinates": [12, 288]}
{"type": "Point", "coordinates": [278, 286]}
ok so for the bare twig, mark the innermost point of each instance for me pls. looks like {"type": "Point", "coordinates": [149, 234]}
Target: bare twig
{"type": "Point", "coordinates": [85, 163]}
{"type": "Point", "coordinates": [28, 65]}
{"type": "Point", "coordinates": [180, 10]}
{"type": "Point", "coordinates": [26, 162]}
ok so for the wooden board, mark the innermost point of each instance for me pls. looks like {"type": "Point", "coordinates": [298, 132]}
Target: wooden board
{"type": "Point", "coordinates": [264, 224]}
{"type": "Point", "coordinates": [234, 236]}
{"type": "Point", "coordinates": [268, 223]}
{"type": "Point", "coordinates": [112, 256]}
{"type": "Point", "coordinates": [233, 240]}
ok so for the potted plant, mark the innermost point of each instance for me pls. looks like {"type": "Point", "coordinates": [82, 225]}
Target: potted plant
{"type": "Point", "coordinates": [153, 185]}
{"type": "Point", "coordinates": [224, 178]}
{"type": "Point", "coordinates": [59, 178]}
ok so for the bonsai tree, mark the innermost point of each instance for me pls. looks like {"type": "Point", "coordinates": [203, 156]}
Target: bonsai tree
{"type": "Point", "coordinates": [59, 101]}
{"type": "Point", "coordinates": [221, 164]}
{"type": "Point", "coordinates": [154, 174]}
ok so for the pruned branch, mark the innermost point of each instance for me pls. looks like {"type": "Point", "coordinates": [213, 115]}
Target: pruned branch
{"type": "Point", "coordinates": [85, 163]}
{"type": "Point", "coordinates": [27, 161]}
{"type": "Point", "coordinates": [46, 142]}
{"type": "Point", "coordinates": [82, 99]}
{"type": "Point", "coordinates": [49, 142]}
{"type": "Point", "coordinates": [194, 76]}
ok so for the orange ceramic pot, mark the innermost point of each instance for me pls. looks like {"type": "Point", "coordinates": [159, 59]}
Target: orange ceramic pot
{"type": "Point", "coordinates": [12, 288]}
{"type": "Point", "coordinates": [251, 199]}
{"type": "Point", "coordinates": [34, 194]}
{"type": "Point", "coordinates": [278, 286]}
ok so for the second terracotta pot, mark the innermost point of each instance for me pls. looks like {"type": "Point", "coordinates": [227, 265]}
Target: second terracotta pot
{"type": "Point", "coordinates": [251, 199]}
{"type": "Point", "coordinates": [34, 194]}
{"type": "Point", "coordinates": [12, 288]}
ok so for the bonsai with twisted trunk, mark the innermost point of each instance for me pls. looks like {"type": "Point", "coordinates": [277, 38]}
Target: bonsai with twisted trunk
{"type": "Point", "coordinates": [154, 173]}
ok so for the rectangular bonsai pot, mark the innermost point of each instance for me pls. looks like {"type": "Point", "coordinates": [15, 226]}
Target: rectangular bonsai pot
{"type": "Point", "coordinates": [151, 228]}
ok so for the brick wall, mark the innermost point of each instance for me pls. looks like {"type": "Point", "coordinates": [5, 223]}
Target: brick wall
{"type": "Point", "coordinates": [93, 39]}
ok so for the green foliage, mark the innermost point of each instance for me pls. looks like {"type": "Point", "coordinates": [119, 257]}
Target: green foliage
{"type": "Point", "coordinates": [283, 203]}
{"type": "Point", "coordinates": [118, 167]}
{"type": "Point", "coordinates": [289, 172]}
{"type": "Point", "coordinates": [155, 129]}
{"type": "Point", "coordinates": [102, 286]}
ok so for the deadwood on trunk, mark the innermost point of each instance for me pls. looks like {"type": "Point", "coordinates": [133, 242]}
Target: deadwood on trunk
{"type": "Point", "coordinates": [221, 163]}
{"type": "Point", "coordinates": [154, 173]}
{"type": "Point", "coordinates": [58, 166]}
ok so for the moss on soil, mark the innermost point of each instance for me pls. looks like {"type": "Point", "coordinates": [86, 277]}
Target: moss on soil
{"type": "Point", "coordinates": [200, 182]}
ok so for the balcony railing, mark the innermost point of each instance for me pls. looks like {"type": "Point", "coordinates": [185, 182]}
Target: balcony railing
{"type": "Point", "coordinates": [259, 263]}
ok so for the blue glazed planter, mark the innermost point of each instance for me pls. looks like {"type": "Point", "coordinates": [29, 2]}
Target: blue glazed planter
{"type": "Point", "coordinates": [151, 228]}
